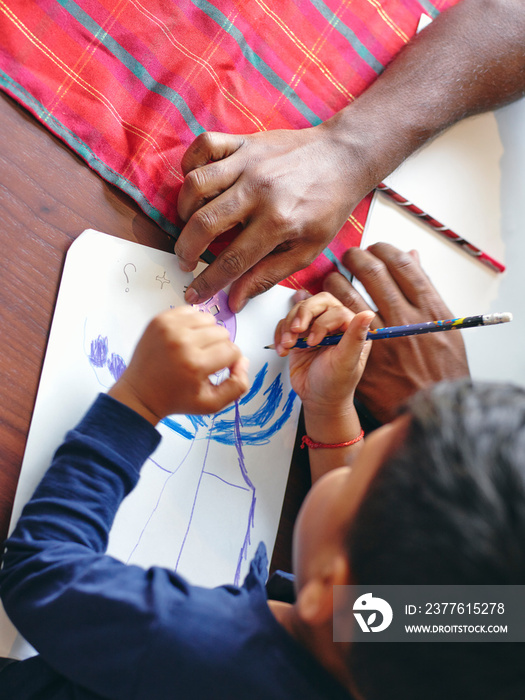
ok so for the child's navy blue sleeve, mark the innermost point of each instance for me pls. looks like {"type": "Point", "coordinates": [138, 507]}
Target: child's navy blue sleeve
{"type": "Point", "coordinates": [116, 630]}
{"type": "Point", "coordinates": [56, 582]}
{"type": "Point", "coordinates": [120, 631]}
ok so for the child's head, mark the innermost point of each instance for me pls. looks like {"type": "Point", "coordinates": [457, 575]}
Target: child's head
{"type": "Point", "coordinates": [437, 497]}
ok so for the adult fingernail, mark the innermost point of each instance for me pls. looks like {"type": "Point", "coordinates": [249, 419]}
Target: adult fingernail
{"type": "Point", "coordinates": [184, 266]}
{"type": "Point", "coordinates": [301, 295]}
{"type": "Point", "coordinates": [191, 296]}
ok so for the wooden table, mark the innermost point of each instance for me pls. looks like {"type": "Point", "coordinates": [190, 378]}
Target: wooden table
{"type": "Point", "coordinates": [48, 196]}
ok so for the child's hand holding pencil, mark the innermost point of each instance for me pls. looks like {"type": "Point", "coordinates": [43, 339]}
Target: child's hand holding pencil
{"type": "Point", "coordinates": [325, 379]}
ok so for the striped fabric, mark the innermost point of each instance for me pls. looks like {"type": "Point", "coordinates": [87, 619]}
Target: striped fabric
{"type": "Point", "coordinates": [128, 84]}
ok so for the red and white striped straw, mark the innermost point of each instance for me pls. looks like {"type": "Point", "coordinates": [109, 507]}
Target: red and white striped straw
{"type": "Point", "coordinates": [440, 228]}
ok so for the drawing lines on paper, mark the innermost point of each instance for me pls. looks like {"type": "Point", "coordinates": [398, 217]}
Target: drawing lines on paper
{"type": "Point", "coordinates": [252, 420]}
{"type": "Point", "coordinates": [126, 274]}
{"type": "Point", "coordinates": [170, 474]}
{"type": "Point", "coordinates": [163, 280]}
{"type": "Point", "coordinates": [100, 358]}
{"type": "Point", "coordinates": [243, 429]}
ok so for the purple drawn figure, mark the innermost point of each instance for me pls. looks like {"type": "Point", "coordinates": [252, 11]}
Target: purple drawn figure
{"type": "Point", "coordinates": [250, 421]}
{"type": "Point", "coordinates": [218, 307]}
{"type": "Point", "coordinates": [100, 359]}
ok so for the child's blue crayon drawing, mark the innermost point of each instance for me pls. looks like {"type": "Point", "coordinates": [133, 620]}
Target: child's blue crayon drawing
{"type": "Point", "coordinates": [251, 421]}
{"type": "Point", "coordinates": [214, 487]}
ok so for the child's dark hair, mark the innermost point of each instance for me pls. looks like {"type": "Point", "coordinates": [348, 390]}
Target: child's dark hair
{"type": "Point", "coordinates": [447, 507]}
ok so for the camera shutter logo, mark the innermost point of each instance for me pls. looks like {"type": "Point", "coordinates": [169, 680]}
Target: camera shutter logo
{"type": "Point", "coordinates": [366, 603]}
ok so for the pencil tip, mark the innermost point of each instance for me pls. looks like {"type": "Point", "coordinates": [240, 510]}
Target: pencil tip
{"type": "Point", "coordinates": [269, 347]}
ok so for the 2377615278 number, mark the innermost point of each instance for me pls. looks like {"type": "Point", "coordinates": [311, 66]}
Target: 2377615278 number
{"type": "Point", "coordinates": [464, 608]}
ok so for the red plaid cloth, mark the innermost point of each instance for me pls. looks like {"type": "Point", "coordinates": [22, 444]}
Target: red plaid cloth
{"type": "Point", "coordinates": [128, 84]}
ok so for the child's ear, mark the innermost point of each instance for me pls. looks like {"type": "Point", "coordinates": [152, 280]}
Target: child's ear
{"type": "Point", "coordinates": [315, 600]}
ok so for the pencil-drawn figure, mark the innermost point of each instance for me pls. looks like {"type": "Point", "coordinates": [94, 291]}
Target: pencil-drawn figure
{"type": "Point", "coordinates": [163, 280]}
{"type": "Point", "coordinates": [126, 274]}
{"type": "Point", "coordinates": [208, 481]}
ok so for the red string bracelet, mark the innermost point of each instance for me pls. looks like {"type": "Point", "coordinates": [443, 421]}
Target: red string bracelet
{"type": "Point", "coordinates": [315, 445]}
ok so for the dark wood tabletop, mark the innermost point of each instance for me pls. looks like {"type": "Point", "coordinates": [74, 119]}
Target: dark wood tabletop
{"type": "Point", "coordinates": [48, 196]}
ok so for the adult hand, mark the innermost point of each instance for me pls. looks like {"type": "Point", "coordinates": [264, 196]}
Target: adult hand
{"type": "Point", "coordinates": [170, 368]}
{"type": "Point", "coordinates": [290, 190]}
{"type": "Point", "coordinates": [325, 378]}
{"type": "Point", "coordinates": [403, 294]}
{"type": "Point", "coordinates": [293, 190]}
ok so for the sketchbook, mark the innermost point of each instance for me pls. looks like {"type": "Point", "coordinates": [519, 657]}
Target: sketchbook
{"type": "Point", "coordinates": [214, 487]}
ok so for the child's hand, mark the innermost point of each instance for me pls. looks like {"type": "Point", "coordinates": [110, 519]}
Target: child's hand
{"type": "Point", "coordinates": [170, 368]}
{"type": "Point", "coordinates": [325, 378]}
{"type": "Point", "coordinates": [402, 293]}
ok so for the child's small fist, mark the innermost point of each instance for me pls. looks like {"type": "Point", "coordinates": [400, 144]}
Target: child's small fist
{"type": "Point", "coordinates": [171, 367]}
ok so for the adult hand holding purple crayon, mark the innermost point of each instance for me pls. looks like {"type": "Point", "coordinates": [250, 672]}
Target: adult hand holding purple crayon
{"type": "Point", "coordinates": [403, 294]}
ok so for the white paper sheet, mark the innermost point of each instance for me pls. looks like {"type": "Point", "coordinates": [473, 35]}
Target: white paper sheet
{"type": "Point", "coordinates": [459, 180]}
{"type": "Point", "coordinates": [202, 504]}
